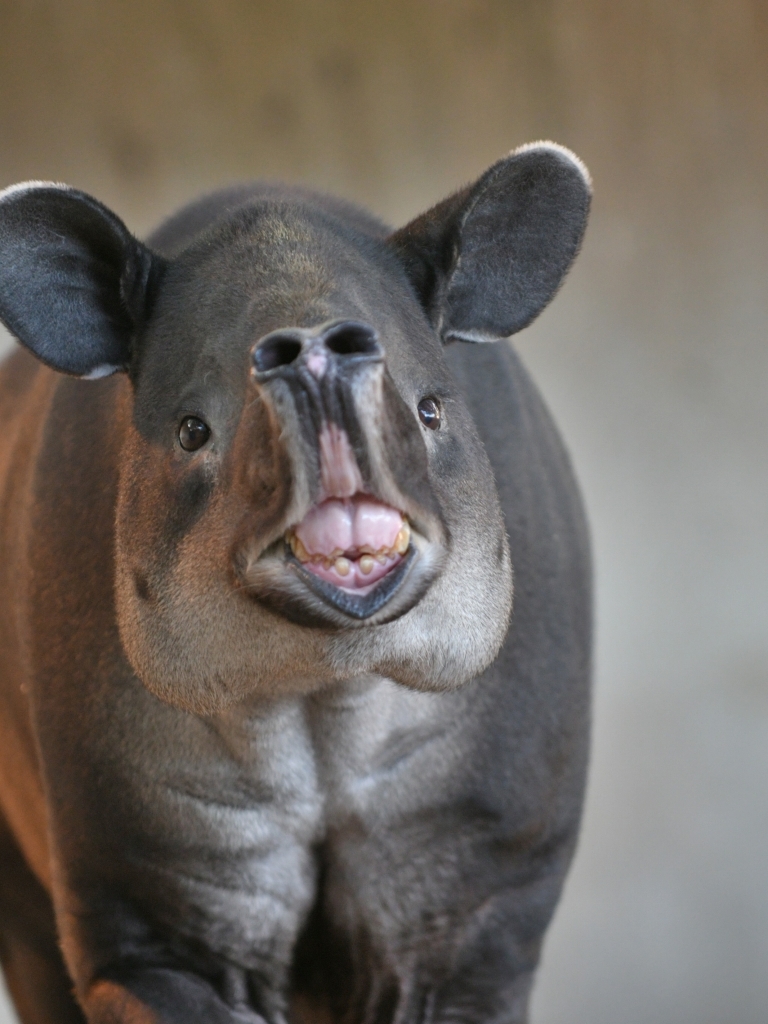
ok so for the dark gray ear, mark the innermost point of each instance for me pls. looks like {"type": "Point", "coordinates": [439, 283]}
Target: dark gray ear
{"type": "Point", "coordinates": [74, 283]}
{"type": "Point", "coordinates": [487, 260]}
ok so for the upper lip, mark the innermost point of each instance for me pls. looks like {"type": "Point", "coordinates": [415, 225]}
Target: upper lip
{"type": "Point", "coordinates": [358, 606]}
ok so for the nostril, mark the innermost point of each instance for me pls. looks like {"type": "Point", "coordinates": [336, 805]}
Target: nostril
{"type": "Point", "coordinates": [351, 339]}
{"type": "Point", "coordinates": [276, 350]}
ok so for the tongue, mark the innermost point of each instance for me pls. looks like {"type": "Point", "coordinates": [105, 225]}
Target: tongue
{"type": "Point", "coordinates": [349, 525]}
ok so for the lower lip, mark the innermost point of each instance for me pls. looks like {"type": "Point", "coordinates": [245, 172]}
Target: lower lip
{"type": "Point", "coordinates": [356, 580]}
{"type": "Point", "coordinates": [359, 603]}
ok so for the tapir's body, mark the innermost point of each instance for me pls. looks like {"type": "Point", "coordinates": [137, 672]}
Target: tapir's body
{"type": "Point", "coordinates": [354, 843]}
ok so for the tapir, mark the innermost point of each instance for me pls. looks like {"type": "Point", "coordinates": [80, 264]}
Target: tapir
{"type": "Point", "coordinates": [294, 606]}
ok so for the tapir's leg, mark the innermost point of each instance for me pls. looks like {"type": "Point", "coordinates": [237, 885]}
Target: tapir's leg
{"type": "Point", "coordinates": [42, 990]}
{"type": "Point", "coordinates": [130, 971]}
{"type": "Point", "coordinates": [183, 870]}
{"type": "Point", "coordinates": [448, 841]}
{"type": "Point", "coordinates": [32, 963]}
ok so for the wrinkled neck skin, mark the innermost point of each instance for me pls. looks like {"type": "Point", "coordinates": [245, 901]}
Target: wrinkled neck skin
{"type": "Point", "coordinates": [323, 533]}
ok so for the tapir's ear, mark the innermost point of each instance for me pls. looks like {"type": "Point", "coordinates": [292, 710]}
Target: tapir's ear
{"type": "Point", "coordinates": [74, 283]}
{"type": "Point", "coordinates": [487, 260]}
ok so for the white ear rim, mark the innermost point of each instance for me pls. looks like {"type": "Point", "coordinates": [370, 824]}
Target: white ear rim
{"type": "Point", "coordinates": [562, 151]}
{"type": "Point", "coordinates": [474, 337]}
{"type": "Point", "coordinates": [102, 370]}
{"type": "Point", "coordinates": [30, 186]}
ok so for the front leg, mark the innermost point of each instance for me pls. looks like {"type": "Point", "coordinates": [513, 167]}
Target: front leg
{"type": "Point", "coordinates": [451, 822]}
{"type": "Point", "coordinates": [128, 972]}
{"type": "Point", "coordinates": [441, 922]}
{"type": "Point", "coordinates": [184, 869]}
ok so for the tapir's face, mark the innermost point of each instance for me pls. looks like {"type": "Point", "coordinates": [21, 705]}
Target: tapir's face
{"type": "Point", "coordinates": [303, 496]}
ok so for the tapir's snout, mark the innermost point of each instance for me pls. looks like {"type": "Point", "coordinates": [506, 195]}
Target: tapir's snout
{"type": "Point", "coordinates": [359, 534]}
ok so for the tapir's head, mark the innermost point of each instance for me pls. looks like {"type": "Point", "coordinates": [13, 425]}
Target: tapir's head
{"type": "Point", "coordinates": [303, 495]}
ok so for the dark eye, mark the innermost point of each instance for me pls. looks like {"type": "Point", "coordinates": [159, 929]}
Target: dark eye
{"type": "Point", "coordinates": [193, 434]}
{"type": "Point", "coordinates": [429, 413]}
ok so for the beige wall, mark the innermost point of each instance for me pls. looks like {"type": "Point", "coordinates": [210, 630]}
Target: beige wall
{"type": "Point", "coordinates": [654, 359]}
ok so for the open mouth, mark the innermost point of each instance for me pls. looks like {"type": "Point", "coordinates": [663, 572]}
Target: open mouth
{"type": "Point", "coordinates": [352, 552]}
{"type": "Point", "coordinates": [350, 561]}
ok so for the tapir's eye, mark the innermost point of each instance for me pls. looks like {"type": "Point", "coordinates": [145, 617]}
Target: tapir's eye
{"type": "Point", "coordinates": [193, 433]}
{"type": "Point", "coordinates": [429, 413]}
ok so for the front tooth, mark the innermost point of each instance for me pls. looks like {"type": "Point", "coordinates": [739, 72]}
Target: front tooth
{"type": "Point", "coordinates": [342, 566]}
{"type": "Point", "coordinates": [366, 565]}
{"type": "Point", "coordinates": [403, 539]}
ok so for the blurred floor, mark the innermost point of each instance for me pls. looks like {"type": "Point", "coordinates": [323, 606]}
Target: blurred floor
{"type": "Point", "coordinates": [653, 358]}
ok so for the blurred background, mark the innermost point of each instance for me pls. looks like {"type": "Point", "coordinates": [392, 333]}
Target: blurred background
{"type": "Point", "coordinates": [654, 359]}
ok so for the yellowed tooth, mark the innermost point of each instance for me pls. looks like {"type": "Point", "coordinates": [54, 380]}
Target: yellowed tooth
{"type": "Point", "coordinates": [342, 566]}
{"type": "Point", "coordinates": [403, 539]}
{"type": "Point", "coordinates": [383, 555]}
{"type": "Point", "coordinates": [298, 548]}
{"type": "Point", "coordinates": [366, 565]}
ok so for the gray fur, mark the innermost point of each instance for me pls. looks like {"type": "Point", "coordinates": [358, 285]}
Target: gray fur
{"type": "Point", "coordinates": [229, 802]}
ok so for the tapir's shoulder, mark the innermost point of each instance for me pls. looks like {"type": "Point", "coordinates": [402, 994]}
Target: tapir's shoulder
{"type": "Point", "coordinates": [184, 226]}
